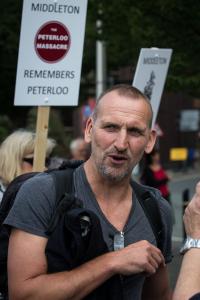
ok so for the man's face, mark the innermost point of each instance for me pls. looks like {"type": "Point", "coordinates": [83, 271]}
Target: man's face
{"type": "Point", "coordinates": [119, 135]}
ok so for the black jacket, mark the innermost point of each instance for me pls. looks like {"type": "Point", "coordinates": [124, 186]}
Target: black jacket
{"type": "Point", "coordinates": [77, 238]}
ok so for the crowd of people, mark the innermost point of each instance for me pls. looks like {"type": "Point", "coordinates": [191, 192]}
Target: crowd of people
{"type": "Point", "coordinates": [17, 155]}
{"type": "Point", "coordinates": [132, 265]}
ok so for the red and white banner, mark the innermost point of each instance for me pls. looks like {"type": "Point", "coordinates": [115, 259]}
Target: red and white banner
{"type": "Point", "coordinates": [50, 52]}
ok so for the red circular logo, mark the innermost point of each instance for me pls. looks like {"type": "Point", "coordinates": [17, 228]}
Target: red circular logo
{"type": "Point", "coordinates": [52, 41]}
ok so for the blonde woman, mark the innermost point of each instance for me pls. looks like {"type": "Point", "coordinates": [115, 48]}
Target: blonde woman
{"type": "Point", "coordinates": [16, 156]}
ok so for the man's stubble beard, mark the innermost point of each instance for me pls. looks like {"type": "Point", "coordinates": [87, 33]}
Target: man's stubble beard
{"type": "Point", "coordinates": [109, 174]}
{"type": "Point", "coordinates": [113, 174]}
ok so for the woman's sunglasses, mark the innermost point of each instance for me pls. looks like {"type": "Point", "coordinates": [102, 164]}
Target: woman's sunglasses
{"type": "Point", "coordinates": [29, 160]}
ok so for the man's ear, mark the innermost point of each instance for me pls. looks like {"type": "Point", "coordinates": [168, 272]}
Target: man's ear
{"type": "Point", "coordinates": [151, 143]}
{"type": "Point", "coordinates": [88, 130]}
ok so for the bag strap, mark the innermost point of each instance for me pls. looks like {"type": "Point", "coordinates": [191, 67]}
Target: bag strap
{"type": "Point", "coordinates": [64, 186]}
{"type": "Point", "coordinates": [151, 211]}
{"type": "Point", "coordinates": [11, 192]}
{"type": "Point", "coordinates": [63, 180]}
{"type": "Point", "coordinates": [63, 177]}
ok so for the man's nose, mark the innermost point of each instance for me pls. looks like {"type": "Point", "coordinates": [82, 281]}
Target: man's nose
{"type": "Point", "coordinates": [121, 141]}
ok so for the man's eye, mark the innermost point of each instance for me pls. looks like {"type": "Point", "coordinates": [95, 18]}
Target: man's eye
{"type": "Point", "coordinates": [110, 127]}
{"type": "Point", "coordinates": [135, 132]}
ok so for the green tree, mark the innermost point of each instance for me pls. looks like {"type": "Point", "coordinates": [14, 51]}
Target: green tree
{"type": "Point", "coordinates": [10, 16]}
{"type": "Point", "coordinates": [127, 26]}
{"type": "Point", "coordinates": [6, 127]}
{"type": "Point", "coordinates": [56, 130]}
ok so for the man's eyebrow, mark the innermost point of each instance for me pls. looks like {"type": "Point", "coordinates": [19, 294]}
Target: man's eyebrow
{"type": "Point", "coordinates": [129, 128]}
{"type": "Point", "coordinates": [136, 128]}
{"type": "Point", "coordinates": [106, 123]}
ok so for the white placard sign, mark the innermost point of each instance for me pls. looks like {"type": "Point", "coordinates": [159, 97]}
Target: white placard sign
{"type": "Point", "coordinates": [189, 120]}
{"type": "Point", "coordinates": [151, 73]}
{"type": "Point", "coordinates": [50, 52]}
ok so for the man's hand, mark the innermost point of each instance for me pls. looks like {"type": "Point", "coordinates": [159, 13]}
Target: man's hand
{"type": "Point", "coordinates": [192, 215]}
{"type": "Point", "coordinates": [27, 269]}
{"type": "Point", "coordinates": [138, 257]}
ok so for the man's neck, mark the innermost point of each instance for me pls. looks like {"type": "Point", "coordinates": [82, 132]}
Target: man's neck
{"type": "Point", "coordinates": [114, 198]}
{"type": "Point", "coordinates": [105, 188]}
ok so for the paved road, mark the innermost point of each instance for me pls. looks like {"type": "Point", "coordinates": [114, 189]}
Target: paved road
{"type": "Point", "coordinates": [178, 184]}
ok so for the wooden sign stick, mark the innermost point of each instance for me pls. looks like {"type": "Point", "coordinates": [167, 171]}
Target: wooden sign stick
{"type": "Point", "coordinates": [41, 138]}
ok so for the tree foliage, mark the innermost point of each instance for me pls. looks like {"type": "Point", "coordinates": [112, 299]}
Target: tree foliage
{"type": "Point", "coordinates": [10, 16]}
{"type": "Point", "coordinates": [127, 26]}
{"type": "Point", "coordinates": [56, 130]}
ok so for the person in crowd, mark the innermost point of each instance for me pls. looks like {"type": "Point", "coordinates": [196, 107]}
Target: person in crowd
{"type": "Point", "coordinates": [119, 131]}
{"type": "Point", "coordinates": [16, 156]}
{"type": "Point", "coordinates": [55, 162]}
{"type": "Point", "coordinates": [79, 149]}
{"type": "Point", "coordinates": [188, 283]}
{"type": "Point", "coordinates": [154, 175]}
